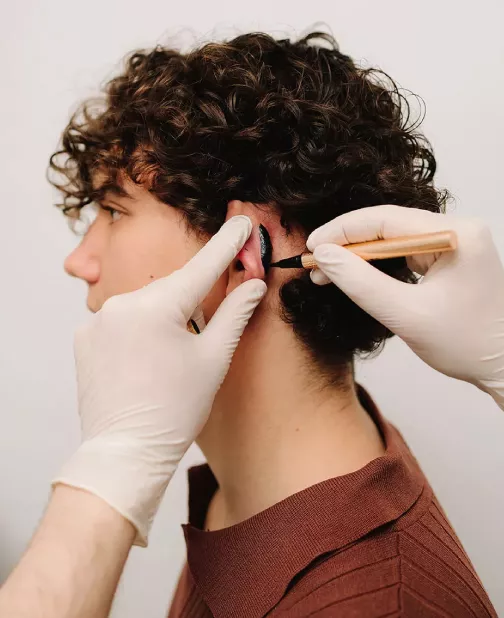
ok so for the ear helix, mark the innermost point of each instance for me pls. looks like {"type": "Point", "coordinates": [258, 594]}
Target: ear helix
{"type": "Point", "coordinates": [266, 247]}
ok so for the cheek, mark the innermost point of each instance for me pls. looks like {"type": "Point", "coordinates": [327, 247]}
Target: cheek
{"type": "Point", "coordinates": [138, 256]}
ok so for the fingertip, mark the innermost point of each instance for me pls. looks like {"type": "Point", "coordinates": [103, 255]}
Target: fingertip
{"type": "Point", "coordinates": [241, 221]}
{"type": "Point", "coordinates": [319, 278]}
{"type": "Point", "coordinates": [311, 243]}
{"type": "Point", "coordinates": [258, 288]}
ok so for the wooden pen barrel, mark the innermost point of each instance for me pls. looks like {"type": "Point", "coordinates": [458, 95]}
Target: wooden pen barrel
{"type": "Point", "coordinates": [402, 246]}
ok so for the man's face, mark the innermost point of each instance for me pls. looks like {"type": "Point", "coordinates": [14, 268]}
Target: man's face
{"type": "Point", "coordinates": [139, 241]}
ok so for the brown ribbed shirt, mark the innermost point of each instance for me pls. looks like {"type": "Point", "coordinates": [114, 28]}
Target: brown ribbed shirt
{"type": "Point", "coordinates": [373, 543]}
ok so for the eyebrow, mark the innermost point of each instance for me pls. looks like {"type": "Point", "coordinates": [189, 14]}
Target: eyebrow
{"type": "Point", "coordinates": [108, 190]}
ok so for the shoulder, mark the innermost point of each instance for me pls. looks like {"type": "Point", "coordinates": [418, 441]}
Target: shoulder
{"type": "Point", "coordinates": [417, 570]}
{"type": "Point", "coordinates": [358, 580]}
{"type": "Point", "coordinates": [435, 569]}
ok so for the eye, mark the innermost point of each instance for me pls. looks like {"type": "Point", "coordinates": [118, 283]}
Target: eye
{"type": "Point", "coordinates": [115, 215]}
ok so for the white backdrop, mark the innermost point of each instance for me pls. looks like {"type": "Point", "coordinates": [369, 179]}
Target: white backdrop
{"type": "Point", "coordinates": [57, 52]}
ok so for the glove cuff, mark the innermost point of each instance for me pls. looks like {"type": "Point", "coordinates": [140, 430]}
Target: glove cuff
{"type": "Point", "coordinates": [128, 483]}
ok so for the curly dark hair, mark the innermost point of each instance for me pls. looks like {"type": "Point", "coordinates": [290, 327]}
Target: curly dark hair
{"type": "Point", "coordinates": [297, 126]}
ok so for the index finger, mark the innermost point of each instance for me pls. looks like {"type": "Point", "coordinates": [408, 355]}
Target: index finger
{"type": "Point", "coordinates": [201, 273]}
{"type": "Point", "coordinates": [376, 223]}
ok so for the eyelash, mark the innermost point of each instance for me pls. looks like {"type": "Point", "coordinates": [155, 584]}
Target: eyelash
{"type": "Point", "coordinates": [112, 211]}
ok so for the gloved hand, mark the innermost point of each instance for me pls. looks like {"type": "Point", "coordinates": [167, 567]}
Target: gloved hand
{"type": "Point", "coordinates": [454, 318]}
{"type": "Point", "coordinates": [146, 385]}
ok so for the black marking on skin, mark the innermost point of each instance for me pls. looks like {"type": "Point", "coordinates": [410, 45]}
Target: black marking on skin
{"type": "Point", "coordinates": [266, 247]}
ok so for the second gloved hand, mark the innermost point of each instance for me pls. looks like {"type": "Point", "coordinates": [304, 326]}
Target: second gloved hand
{"type": "Point", "coordinates": [454, 318]}
{"type": "Point", "coordinates": [146, 385]}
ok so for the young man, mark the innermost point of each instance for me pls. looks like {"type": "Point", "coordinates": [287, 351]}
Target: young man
{"type": "Point", "coordinates": [311, 503]}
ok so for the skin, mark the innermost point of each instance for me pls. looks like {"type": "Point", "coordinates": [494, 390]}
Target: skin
{"type": "Point", "coordinates": [132, 242]}
{"type": "Point", "coordinates": [270, 397]}
{"type": "Point", "coordinates": [274, 429]}
{"type": "Point", "coordinates": [73, 564]}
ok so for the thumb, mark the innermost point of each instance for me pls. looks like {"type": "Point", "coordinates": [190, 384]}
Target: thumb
{"type": "Point", "coordinates": [224, 330]}
{"type": "Point", "coordinates": [389, 301]}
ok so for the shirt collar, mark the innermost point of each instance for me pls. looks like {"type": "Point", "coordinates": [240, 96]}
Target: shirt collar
{"type": "Point", "coordinates": [245, 569]}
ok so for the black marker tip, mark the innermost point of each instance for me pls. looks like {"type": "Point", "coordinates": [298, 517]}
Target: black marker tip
{"type": "Point", "coordinates": [292, 262]}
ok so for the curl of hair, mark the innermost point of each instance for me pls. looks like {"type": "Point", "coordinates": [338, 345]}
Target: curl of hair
{"type": "Point", "coordinates": [295, 125]}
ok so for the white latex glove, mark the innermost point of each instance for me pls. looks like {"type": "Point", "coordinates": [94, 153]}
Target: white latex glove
{"type": "Point", "coordinates": [454, 318]}
{"type": "Point", "coordinates": [146, 385]}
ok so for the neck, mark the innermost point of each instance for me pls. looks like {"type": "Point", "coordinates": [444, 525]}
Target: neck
{"type": "Point", "coordinates": [275, 429]}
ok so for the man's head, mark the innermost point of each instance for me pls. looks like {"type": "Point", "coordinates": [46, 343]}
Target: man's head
{"type": "Point", "coordinates": [290, 133]}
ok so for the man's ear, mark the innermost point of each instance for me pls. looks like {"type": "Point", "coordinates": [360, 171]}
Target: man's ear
{"type": "Point", "coordinates": [248, 264]}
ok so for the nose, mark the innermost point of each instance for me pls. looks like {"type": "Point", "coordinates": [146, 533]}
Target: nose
{"type": "Point", "coordinates": [82, 263]}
